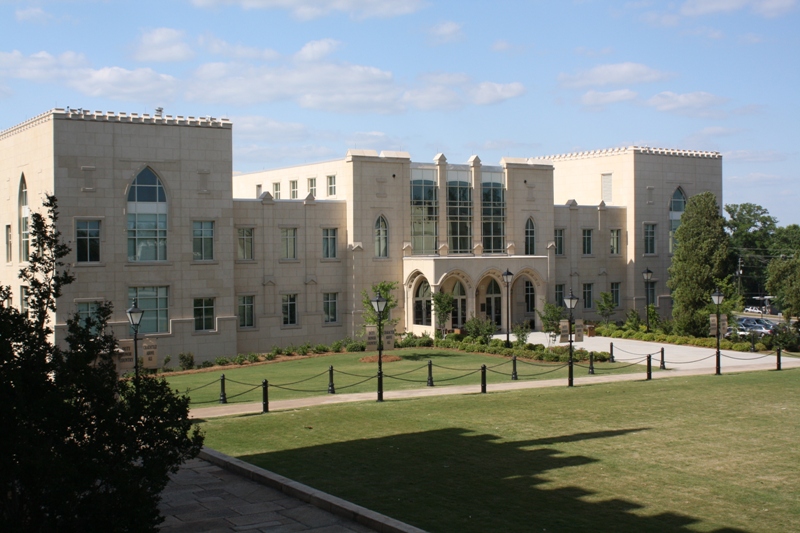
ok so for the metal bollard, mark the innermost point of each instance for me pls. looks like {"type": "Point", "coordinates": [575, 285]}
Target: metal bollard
{"type": "Point", "coordinates": [779, 359]}
{"type": "Point", "coordinates": [265, 396]}
{"type": "Point", "coordinates": [430, 373]}
{"type": "Point", "coordinates": [663, 365]}
{"type": "Point", "coordinates": [331, 388]}
{"type": "Point", "coordinates": [611, 352]}
{"type": "Point", "coordinates": [591, 362]}
{"type": "Point", "coordinates": [514, 368]}
{"type": "Point", "coordinates": [649, 367]}
{"type": "Point", "coordinates": [483, 379]}
{"type": "Point", "coordinates": [223, 398]}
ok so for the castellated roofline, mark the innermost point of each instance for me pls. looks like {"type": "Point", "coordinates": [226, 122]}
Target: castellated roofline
{"type": "Point", "coordinates": [636, 149]}
{"type": "Point", "coordinates": [110, 116]}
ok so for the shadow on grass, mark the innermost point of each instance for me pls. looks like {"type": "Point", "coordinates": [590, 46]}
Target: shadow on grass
{"type": "Point", "coordinates": [425, 356]}
{"type": "Point", "coordinates": [452, 480]}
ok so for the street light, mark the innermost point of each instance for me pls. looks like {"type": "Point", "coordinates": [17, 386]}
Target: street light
{"type": "Point", "coordinates": [507, 277]}
{"type": "Point", "coordinates": [571, 301]}
{"type": "Point", "coordinates": [379, 304]}
{"type": "Point", "coordinates": [647, 275]}
{"type": "Point", "coordinates": [717, 298]}
{"type": "Point", "coordinates": [135, 318]}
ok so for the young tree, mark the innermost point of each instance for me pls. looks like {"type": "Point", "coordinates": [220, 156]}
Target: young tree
{"type": "Point", "coordinates": [698, 264]}
{"type": "Point", "coordinates": [551, 318]}
{"type": "Point", "coordinates": [443, 304]}
{"type": "Point", "coordinates": [783, 281]}
{"type": "Point", "coordinates": [386, 290]}
{"type": "Point", "coordinates": [606, 306]}
{"type": "Point", "coordinates": [80, 450]}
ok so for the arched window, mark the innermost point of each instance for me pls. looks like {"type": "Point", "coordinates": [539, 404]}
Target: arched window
{"type": "Point", "coordinates": [381, 237]}
{"type": "Point", "coordinates": [24, 221]}
{"type": "Point", "coordinates": [677, 206]}
{"type": "Point", "coordinates": [459, 305]}
{"type": "Point", "coordinates": [494, 302]}
{"type": "Point", "coordinates": [530, 231]}
{"type": "Point", "coordinates": [422, 304]}
{"type": "Point", "coordinates": [147, 218]}
{"type": "Point", "coordinates": [530, 297]}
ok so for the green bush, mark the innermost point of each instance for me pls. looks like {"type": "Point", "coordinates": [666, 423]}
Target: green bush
{"type": "Point", "coordinates": [336, 346]}
{"type": "Point", "coordinates": [741, 346]}
{"type": "Point", "coordinates": [240, 359]}
{"type": "Point", "coordinates": [304, 348]}
{"type": "Point", "coordinates": [497, 342]}
{"type": "Point", "coordinates": [276, 351]}
{"type": "Point", "coordinates": [618, 334]}
{"type": "Point", "coordinates": [425, 341]}
{"type": "Point", "coordinates": [468, 339]}
{"type": "Point", "coordinates": [760, 347]}
{"type": "Point", "coordinates": [480, 328]}
{"type": "Point", "coordinates": [320, 348]}
{"type": "Point", "coordinates": [290, 350]}
{"type": "Point", "coordinates": [206, 364]}
{"type": "Point", "coordinates": [186, 360]}
{"type": "Point", "coordinates": [253, 358]}
{"type": "Point", "coordinates": [356, 346]}
{"type": "Point", "coordinates": [270, 356]}
{"type": "Point", "coordinates": [222, 361]}
{"type": "Point", "coordinates": [455, 337]}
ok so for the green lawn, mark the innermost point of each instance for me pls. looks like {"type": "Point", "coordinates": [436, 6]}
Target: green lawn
{"type": "Point", "coordinates": [351, 375]}
{"type": "Point", "coordinates": [705, 453]}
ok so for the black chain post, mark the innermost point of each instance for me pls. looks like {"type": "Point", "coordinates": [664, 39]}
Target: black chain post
{"type": "Point", "coordinates": [514, 368]}
{"type": "Point", "coordinates": [483, 379]}
{"type": "Point", "coordinates": [430, 373]}
{"type": "Point", "coordinates": [611, 356]}
{"type": "Point", "coordinates": [331, 388]}
{"type": "Point", "coordinates": [649, 367]}
{"type": "Point", "coordinates": [223, 398]}
{"type": "Point", "coordinates": [265, 396]}
{"type": "Point", "coordinates": [663, 365]}
{"type": "Point", "coordinates": [591, 362]}
{"type": "Point", "coordinates": [779, 359]}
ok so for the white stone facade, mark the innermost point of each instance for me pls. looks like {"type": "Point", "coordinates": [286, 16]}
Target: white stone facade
{"type": "Point", "coordinates": [237, 264]}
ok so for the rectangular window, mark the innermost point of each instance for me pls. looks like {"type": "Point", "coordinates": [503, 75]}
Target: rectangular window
{"type": "Point", "coordinates": [588, 302]}
{"type": "Point", "coordinates": [155, 303]}
{"type": "Point", "coordinates": [615, 241]}
{"type": "Point", "coordinates": [424, 211]}
{"type": "Point", "coordinates": [23, 300]}
{"type": "Point", "coordinates": [87, 310]}
{"type": "Point", "coordinates": [147, 237]}
{"type": "Point", "coordinates": [649, 238]}
{"type": "Point", "coordinates": [650, 289]}
{"type": "Point", "coordinates": [289, 309]}
{"type": "Point", "coordinates": [312, 187]}
{"type": "Point", "coordinates": [615, 293]}
{"type": "Point", "coordinates": [329, 243]}
{"type": "Point", "coordinates": [293, 189]}
{"type": "Point", "coordinates": [560, 295]}
{"type": "Point", "coordinates": [204, 314]}
{"type": "Point", "coordinates": [493, 212]}
{"type": "Point", "coordinates": [459, 215]}
{"type": "Point", "coordinates": [587, 242]}
{"type": "Point", "coordinates": [87, 241]}
{"type": "Point", "coordinates": [276, 191]}
{"type": "Point", "coordinates": [559, 240]}
{"type": "Point", "coordinates": [530, 297]}
{"type": "Point", "coordinates": [24, 237]}
{"type": "Point", "coordinates": [331, 185]}
{"type": "Point", "coordinates": [288, 243]}
{"type": "Point", "coordinates": [247, 311]}
{"type": "Point", "coordinates": [8, 243]}
{"type": "Point", "coordinates": [329, 300]}
{"type": "Point", "coordinates": [244, 240]}
{"type": "Point", "coordinates": [203, 240]}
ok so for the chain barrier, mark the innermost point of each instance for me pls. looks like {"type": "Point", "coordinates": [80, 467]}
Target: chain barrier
{"type": "Point", "coordinates": [229, 380]}
{"type": "Point", "coordinates": [406, 372]}
{"type": "Point", "coordinates": [302, 380]}
{"type": "Point", "coordinates": [617, 348]}
{"type": "Point", "coordinates": [359, 383]}
{"type": "Point", "coordinates": [616, 367]}
{"type": "Point", "coordinates": [245, 392]}
{"type": "Point", "coordinates": [300, 390]}
{"type": "Point", "coordinates": [201, 386]}
{"type": "Point", "coordinates": [695, 361]}
{"type": "Point", "coordinates": [458, 377]}
{"type": "Point", "coordinates": [747, 358]}
{"type": "Point", "coordinates": [404, 379]}
{"type": "Point", "coordinates": [349, 374]}
{"type": "Point", "coordinates": [534, 364]}
{"type": "Point", "coordinates": [499, 364]}
{"type": "Point", "coordinates": [531, 375]}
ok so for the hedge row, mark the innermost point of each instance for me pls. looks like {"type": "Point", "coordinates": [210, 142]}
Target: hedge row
{"type": "Point", "coordinates": [705, 342]}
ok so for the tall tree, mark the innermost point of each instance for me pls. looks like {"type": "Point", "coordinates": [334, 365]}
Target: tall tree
{"type": "Point", "coordinates": [606, 306]}
{"type": "Point", "coordinates": [698, 264]}
{"type": "Point", "coordinates": [751, 230]}
{"type": "Point", "coordinates": [443, 304]}
{"type": "Point", "coordinates": [784, 283]}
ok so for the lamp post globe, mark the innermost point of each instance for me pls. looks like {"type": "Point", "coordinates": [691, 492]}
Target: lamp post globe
{"type": "Point", "coordinates": [379, 304]}
{"type": "Point", "coordinates": [570, 301]}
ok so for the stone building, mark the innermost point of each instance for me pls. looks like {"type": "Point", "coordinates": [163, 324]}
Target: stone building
{"type": "Point", "coordinates": [228, 264]}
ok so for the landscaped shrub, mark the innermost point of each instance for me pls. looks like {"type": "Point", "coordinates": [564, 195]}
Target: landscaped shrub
{"type": "Point", "coordinates": [456, 337]}
{"type": "Point", "coordinates": [497, 342]}
{"type": "Point", "coordinates": [206, 364]}
{"type": "Point", "coordinates": [290, 350]}
{"type": "Point", "coordinates": [618, 334]}
{"type": "Point", "coordinates": [336, 346]}
{"type": "Point", "coordinates": [760, 347]}
{"type": "Point", "coordinates": [320, 348]}
{"type": "Point", "coordinates": [425, 341]}
{"type": "Point", "coordinates": [186, 360]}
{"type": "Point", "coordinates": [240, 359]}
{"type": "Point", "coordinates": [253, 357]}
{"type": "Point", "coordinates": [222, 361]}
{"type": "Point", "coordinates": [480, 328]}
{"type": "Point", "coordinates": [468, 339]}
{"type": "Point", "coordinates": [741, 346]}
{"type": "Point", "coordinates": [304, 348]}
{"type": "Point", "coordinates": [356, 346]}
{"type": "Point", "coordinates": [270, 356]}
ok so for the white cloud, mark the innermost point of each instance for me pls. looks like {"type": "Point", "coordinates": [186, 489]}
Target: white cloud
{"type": "Point", "coordinates": [709, 33]}
{"type": "Point", "coordinates": [33, 14]}
{"type": "Point", "coordinates": [316, 50]}
{"type": "Point", "coordinates": [40, 66]}
{"type": "Point", "coordinates": [665, 20]}
{"type": "Point", "coordinates": [613, 74]}
{"type": "Point", "coordinates": [446, 32]}
{"type": "Point", "coordinates": [434, 97]}
{"type": "Point", "coordinates": [311, 9]}
{"type": "Point", "coordinates": [445, 78]}
{"type": "Point", "coordinates": [755, 156]}
{"type": "Point", "coordinates": [162, 45]}
{"type": "Point", "coordinates": [693, 104]}
{"type": "Point", "coordinates": [217, 46]}
{"type": "Point", "coordinates": [753, 177]}
{"type": "Point", "coordinates": [501, 45]}
{"type": "Point", "coordinates": [598, 99]}
{"type": "Point", "coordinates": [751, 38]}
{"type": "Point", "coordinates": [765, 8]}
{"type": "Point", "coordinates": [488, 92]}
{"type": "Point", "coordinates": [258, 128]}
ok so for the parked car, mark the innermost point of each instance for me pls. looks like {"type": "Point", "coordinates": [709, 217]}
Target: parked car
{"type": "Point", "coordinates": [769, 324]}
{"type": "Point", "coordinates": [740, 332]}
{"type": "Point", "coordinates": [759, 330]}
{"type": "Point", "coordinates": [747, 322]}
{"type": "Point", "coordinates": [752, 309]}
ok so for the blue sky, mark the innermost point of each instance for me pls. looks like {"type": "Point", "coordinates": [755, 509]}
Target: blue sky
{"type": "Point", "coordinates": [305, 80]}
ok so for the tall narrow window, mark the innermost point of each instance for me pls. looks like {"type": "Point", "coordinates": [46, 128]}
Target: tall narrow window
{"type": "Point", "coordinates": [677, 206]}
{"type": "Point", "coordinates": [85, 311]}
{"type": "Point", "coordinates": [459, 305]}
{"type": "Point", "coordinates": [422, 304]}
{"type": "Point", "coordinates": [8, 243]}
{"type": "Point", "coordinates": [293, 189]}
{"type": "Point", "coordinates": [289, 309]}
{"type": "Point", "coordinates": [288, 243]}
{"type": "Point", "coordinates": [24, 305]}
{"type": "Point", "coordinates": [587, 242]}
{"type": "Point", "coordinates": [155, 303]}
{"type": "Point", "coordinates": [493, 212]}
{"type": "Point", "coordinates": [147, 218]}
{"type": "Point", "coordinates": [650, 287]}
{"type": "Point", "coordinates": [87, 241]}
{"type": "Point", "coordinates": [560, 295]}
{"type": "Point", "coordinates": [424, 211]}
{"type": "Point", "coordinates": [649, 238]}
{"type": "Point", "coordinates": [381, 237]}
{"type": "Point", "coordinates": [331, 185]}
{"type": "Point", "coordinates": [615, 241]}
{"type": "Point", "coordinates": [588, 301]}
{"type": "Point", "coordinates": [530, 234]}
{"type": "Point", "coordinates": [329, 311]}
{"type": "Point", "coordinates": [24, 218]}
{"type": "Point", "coordinates": [558, 238]}
{"type": "Point", "coordinates": [459, 212]}
{"type": "Point", "coordinates": [258, 190]}
{"type": "Point", "coordinates": [615, 293]}
{"type": "Point", "coordinates": [276, 191]}
{"type": "Point", "coordinates": [329, 243]}
{"type": "Point", "coordinates": [204, 314]}
{"type": "Point", "coordinates": [312, 187]}
{"type": "Point", "coordinates": [203, 240]}
{"type": "Point", "coordinates": [244, 243]}
{"type": "Point", "coordinates": [247, 311]}
{"type": "Point", "coordinates": [530, 297]}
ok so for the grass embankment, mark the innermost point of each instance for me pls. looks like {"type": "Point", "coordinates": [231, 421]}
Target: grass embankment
{"type": "Point", "coordinates": [411, 373]}
{"type": "Point", "coordinates": [705, 453]}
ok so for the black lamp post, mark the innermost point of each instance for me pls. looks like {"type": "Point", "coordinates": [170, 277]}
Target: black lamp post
{"type": "Point", "coordinates": [647, 275]}
{"type": "Point", "coordinates": [717, 298]}
{"type": "Point", "coordinates": [379, 304]}
{"type": "Point", "coordinates": [571, 301]}
{"type": "Point", "coordinates": [135, 318]}
{"type": "Point", "coordinates": [507, 277]}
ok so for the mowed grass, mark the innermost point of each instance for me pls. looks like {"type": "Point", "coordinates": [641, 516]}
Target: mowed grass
{"type": "Point", "coordinates": [308, 376]}
{"type": "Point", "coordinates": [705, 453]}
